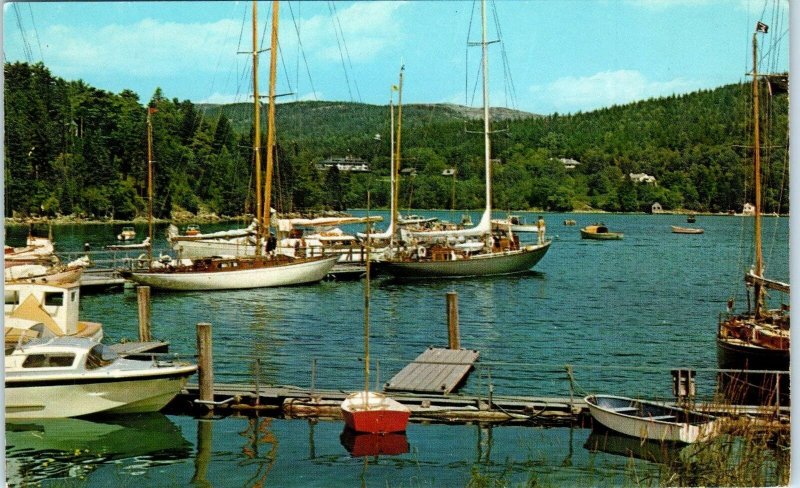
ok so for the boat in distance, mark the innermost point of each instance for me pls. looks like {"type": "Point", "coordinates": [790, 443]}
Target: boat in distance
{"type": "Point", "coordinates": [686, 230]}
{"type": "Point", "coordinates": [372, 412]}
{"type": "Point", "coordinates": [600, 232]}
{"type": "Point", "coordinates": [69, 377]}
{"type": "Point", "coordinates": [651, 421]}
{"type": "Point", "coordinates": [217, 273]}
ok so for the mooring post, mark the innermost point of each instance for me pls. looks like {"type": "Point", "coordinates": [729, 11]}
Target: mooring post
{"type": "Point", "coordinates": [571, 388]}
{"type": "Point", "coordinates": [453, 339]}
{"type": "Point", "coordinates": [143, 297]}
{"type": "Point", "coordinates": [205, 369]}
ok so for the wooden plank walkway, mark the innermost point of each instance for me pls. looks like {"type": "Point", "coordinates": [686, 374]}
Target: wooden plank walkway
{"type": "Point", "coordinates": [436, 370]}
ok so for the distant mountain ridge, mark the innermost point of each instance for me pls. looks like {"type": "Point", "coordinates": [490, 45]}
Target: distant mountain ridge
{"type": "Point", "coordinates": [241, 114]}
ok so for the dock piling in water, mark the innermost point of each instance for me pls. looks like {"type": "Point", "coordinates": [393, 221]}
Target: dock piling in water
{"type": "Point", "coordinates": [453, 336]}
{"type": "Point", "coordinates": [205, 370]}
{"type": "Point", "coordinates": [143, 298]}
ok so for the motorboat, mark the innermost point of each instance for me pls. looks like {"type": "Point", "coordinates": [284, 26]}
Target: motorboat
{"type": "Point", "coordinates": [127, 234]}
{"type": "Point", "coordinates": [599, 232]}
{"type": "Point", "coordinates": [517, 224]}
{"type": "Point", "coordinates": [651, 421]}
{"type": "Point", "coordinates": [71, 376]}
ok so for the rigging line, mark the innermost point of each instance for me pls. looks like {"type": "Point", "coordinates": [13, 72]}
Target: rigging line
{"type": "Point", "coordinates": [36, 32]}
{"type": "Point", "coordinates": [26, 48]}
{"type": "Point", "coordinates": [303, 51]}
{"type": "Point", "coordinates": [344, 66]}
{"type": "Point", "coordinates": [347, 51]}
{"type": "Point", "coordinates": [219, 61]}
{"type": "Point", "coordinates": [466, 61]}
{"type": "Point", "coordinates": [297, 55]}
{"type": "Point", "coordinates": [508, 81]}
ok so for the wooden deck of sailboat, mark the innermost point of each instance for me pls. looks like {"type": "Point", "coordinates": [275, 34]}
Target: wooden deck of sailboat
{"type": "Point", "coordinates": [436, 370]}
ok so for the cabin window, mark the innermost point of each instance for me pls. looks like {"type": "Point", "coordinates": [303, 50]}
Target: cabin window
{"type": "Point", "coordinates": [54, 299]}
{"type": "Point", "coordinates": [12, 297]}
{"type": "Point", "coordinates": [99, 356]}
{"type": "Point", "coordinates": [48, 361]}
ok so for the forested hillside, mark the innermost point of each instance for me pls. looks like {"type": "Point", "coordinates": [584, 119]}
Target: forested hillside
{"type": "Point", "coordinates": [74, 149]}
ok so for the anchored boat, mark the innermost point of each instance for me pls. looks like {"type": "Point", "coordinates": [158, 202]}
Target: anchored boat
{"type": "Point", "coordinates": [599, 232]}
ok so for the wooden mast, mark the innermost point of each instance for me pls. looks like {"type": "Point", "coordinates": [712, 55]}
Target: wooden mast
{"type": "Point", "coordinates": [273, 63]}
{"type": "Point", "coordinates": [393, 179]}
{"type": "Point", "coordinates": [257, 130]}
{"type": "Point", "coordinates": [366, 309]}
{"type": "Point", "coordinates": [395, 203]}
{"type": "Point", "coordinates": [150, 111]}
{"type": "Point", "coordinates": [758, 267]}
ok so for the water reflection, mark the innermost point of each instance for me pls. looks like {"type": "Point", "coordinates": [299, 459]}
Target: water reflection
{"type": "Point", "coordinates": [38, 450]}
{"type": "Point", "coordinates": [360, 445]}
{"type": "Point", "coordinates": [622, 445]}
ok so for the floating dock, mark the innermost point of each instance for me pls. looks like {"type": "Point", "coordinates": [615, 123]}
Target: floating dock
{"type": "Point", "coordinates": [436, 370]}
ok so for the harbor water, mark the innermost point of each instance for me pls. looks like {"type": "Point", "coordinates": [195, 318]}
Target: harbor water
{"type": "Point", "coordinates": [621, 314]}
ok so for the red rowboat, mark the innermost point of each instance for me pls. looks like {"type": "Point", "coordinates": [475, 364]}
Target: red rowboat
{"type": "Point", "coordinates": [374, 413]}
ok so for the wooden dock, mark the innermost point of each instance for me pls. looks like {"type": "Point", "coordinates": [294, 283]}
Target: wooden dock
{"type": "Point", "coordinates": [434, 371]}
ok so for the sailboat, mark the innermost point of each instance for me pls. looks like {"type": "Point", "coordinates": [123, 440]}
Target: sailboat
{"type": "Point", "coordinates": [368, 411]}
{"type": "Point", "coordinates": [253, 271]}
{"type": "Point", "coordinates": [476, 251]}
{"type": "Point", "coordinates": [757, 339]}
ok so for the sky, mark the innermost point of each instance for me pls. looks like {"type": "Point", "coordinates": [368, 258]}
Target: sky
{"type": "Point", "coordinates": [559, 56]}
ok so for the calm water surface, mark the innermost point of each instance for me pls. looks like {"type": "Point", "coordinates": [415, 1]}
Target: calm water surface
{"type": "Point", "coordinates": [621, 313]}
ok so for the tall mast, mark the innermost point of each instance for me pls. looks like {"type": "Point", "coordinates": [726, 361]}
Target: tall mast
{"type": "Point", "coordinates": [395, 209]}
{"type": "Point", "coordinates": [257, 129]}
{"type": "Point", "coordinates": [393, 179]}
{"type": "Point", "coordinates": [273, 63]}
{"type": "Point", "coordinates": [758, 268]}
{"type": "Point", "coordinates": [486, 121]}
{"type": "Point", "coordinates": [366, 308]}
{"type": "Point", "coordinates": [150, 111]}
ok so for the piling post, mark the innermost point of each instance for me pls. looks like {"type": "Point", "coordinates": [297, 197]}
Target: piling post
{"type": "Point", "coordinates": [205, 369]}
{"type": "Point", "coordinates": [143, 298]}
{"type": "Point", "coordinates": [453, 338]}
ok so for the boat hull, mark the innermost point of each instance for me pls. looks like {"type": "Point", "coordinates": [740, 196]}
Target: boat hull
{"type": "Point", "coordinates": [77, 396]}
{"type": "Point", "coordinates": [377, 414]}
{"type": "Point", "coordinates": [605, 236]}
{"type": "Point", "coordinates": [507, 262]}
{"type": "Point", "coordinates": [747, 387]}
{"type": "Point", "coordinates": [280, 275]}
{"type": "Point", "coordinates": [644, 420]}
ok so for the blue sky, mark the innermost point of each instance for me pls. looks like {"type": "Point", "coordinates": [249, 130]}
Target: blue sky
{"type": "Point", "coordinates": [563, 55]}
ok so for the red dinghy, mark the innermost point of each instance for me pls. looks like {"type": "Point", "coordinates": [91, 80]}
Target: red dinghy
{"type": "Point", "coordinates": [374, 413]}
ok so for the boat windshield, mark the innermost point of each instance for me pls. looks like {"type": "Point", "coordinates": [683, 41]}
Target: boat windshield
{"type": "Point", "coordinates": [99, 356]}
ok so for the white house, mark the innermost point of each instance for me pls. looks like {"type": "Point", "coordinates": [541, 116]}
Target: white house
{"type": "Point", "coordinates": [642, 178]}
{"type": "Point", "coordinates": [347, 163]}
{"type": "Point", "coordinates": [748, 209]}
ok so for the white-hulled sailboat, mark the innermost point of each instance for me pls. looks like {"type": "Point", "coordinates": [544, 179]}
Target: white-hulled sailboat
{"type": "Point", "coordinates": [258, 270]}
{"type": "Point", "coordinates": [476, 251]}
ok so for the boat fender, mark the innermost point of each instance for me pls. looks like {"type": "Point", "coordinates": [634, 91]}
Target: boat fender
{"type": "Point", "coordinates": [421, 251]}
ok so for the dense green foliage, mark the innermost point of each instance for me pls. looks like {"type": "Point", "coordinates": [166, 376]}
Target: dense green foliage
{"type": "Point", "coordinates": [71, 148]}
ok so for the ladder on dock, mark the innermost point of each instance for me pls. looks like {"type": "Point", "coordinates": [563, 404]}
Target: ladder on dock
{"type": "Point", "coordinates": [436, 370]}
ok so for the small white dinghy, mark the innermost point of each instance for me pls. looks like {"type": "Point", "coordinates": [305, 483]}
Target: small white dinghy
{"type": "Point", "coordinates": [652, 421]}
{"type": "Point", "coordinates": [70, 376]}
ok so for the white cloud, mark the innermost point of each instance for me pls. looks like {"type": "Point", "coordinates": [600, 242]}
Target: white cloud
{"type": "Point", "coordinates": [146, 48]}
{"type": "Point", "coordinates": [604, 89]}
{"type": "Point", "coordinates": [369, 28]}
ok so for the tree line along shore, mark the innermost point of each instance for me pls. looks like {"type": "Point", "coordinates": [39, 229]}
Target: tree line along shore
{"type": "Point", "coordinates": [75, 150]}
